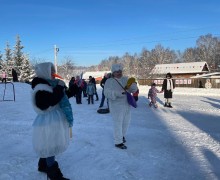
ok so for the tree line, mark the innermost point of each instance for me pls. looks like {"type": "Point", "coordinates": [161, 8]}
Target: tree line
{"type": "Point", "coordinates": [138, 65]}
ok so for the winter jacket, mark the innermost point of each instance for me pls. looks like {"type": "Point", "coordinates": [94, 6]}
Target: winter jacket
{"type": "Point", "coordinates": [167, 93]}
{"type": "Point", "coordinates": [90, 90]}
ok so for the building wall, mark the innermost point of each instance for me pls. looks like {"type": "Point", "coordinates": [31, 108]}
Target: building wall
{"type": "Point", "coordinates": [184, 82]}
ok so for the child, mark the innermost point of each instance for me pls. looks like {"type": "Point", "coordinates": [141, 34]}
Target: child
{"type": "Point", "coordinates": [152, 95]}
{"type": "Point", "coordinates": [90, 91]}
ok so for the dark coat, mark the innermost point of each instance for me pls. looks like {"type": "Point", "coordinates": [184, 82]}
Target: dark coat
{"type": "Point", "coordinates": [167, 93]}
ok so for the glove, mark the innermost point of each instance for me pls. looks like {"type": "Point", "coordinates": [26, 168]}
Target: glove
{"type": "Point", "coordinates": [130, 81]}
{"type": "Point", "coordinates": [61, 83]}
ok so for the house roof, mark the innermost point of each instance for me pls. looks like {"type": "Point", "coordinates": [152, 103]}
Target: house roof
{"type": "Point", "coordinates": [95, 74]}
{"type": "Point", "coordinates": [181, 68]}
{"type": "Point", "coordinates": [209, 75]}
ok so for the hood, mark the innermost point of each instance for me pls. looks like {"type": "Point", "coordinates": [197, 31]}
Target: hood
{"type": "Point", "coordinates": [43, 70]}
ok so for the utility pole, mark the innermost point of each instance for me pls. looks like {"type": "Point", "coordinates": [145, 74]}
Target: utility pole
{"type": "Point", "coordinates": [56, 50]}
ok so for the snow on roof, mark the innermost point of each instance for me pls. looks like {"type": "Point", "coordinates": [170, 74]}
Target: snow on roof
{"type": "Point", "coordinates": [180, 68]}
{"type": "Point", "coordinates": [94, 74]}
{"type": "Point", "coordinates": [209, 75]}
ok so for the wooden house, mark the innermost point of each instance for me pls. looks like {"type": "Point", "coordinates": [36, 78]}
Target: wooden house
{"type": "Point", "coordinates": [180, 70]}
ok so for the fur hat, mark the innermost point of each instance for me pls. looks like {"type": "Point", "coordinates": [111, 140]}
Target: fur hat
{"type": "Point", "coordinates": [168, 75]}
{"type": "Point", "coordinates": [116, 67]}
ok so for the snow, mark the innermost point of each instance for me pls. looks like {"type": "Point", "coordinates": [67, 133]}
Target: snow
{"type": "Point", "coordinates": [179, 143]}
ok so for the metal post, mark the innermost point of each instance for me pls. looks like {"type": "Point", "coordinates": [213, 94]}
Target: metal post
{"type": "Point", "coordinates": [55, 56]}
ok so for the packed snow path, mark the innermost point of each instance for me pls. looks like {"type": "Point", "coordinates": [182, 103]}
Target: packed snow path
{"type": "Point", "coordinates": [163, 144]}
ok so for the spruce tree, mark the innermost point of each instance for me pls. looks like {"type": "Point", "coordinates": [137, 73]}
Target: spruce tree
{"type": "Point", "coordinates": [9, 61]}
{"type": "Point", "coordinates": [26, 73]}
{"type": "Point", "coordinates": [1, 62]}
{"type": "Point", "coordinates": [18, 54]}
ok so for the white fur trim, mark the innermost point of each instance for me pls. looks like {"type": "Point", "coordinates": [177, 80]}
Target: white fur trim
{"type": "Point", "coordinates": [40, 87]}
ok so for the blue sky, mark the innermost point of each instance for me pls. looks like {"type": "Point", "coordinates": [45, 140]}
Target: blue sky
{"type": "Point", "coordinates": [89, 31]}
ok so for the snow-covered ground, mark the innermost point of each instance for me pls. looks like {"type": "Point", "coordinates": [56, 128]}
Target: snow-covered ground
{"type": "Point", "coordinates": [163, 144]}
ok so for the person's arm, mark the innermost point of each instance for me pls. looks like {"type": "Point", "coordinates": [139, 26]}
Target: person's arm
{"type": "Point", "coordinates": [110, 92]}
{"type": "Point", "coordinates": [45, 99]}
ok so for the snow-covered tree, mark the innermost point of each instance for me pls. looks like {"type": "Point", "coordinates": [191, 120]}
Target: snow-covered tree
{"type": "Point", "coordinates": [9, 57]}
{"type": "Point", "coordinates": [26, 72]}
{"type": "Point", "coordinates": [1, 62]}
{"type": "Point", "coordinates": [18, 54]}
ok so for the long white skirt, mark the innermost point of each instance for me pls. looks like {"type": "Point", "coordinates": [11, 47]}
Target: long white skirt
{"type": "Point", "coordinates": [50, 133]}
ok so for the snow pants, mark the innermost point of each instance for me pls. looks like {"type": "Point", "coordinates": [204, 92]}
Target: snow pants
{"type": "Point", "coordinates": [121, 119]}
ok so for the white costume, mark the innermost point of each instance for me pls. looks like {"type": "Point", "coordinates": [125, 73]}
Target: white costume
{"type": "Point", "coordinates": [50, 128]}
{"type": "Point", "coordinates": [119, 107]}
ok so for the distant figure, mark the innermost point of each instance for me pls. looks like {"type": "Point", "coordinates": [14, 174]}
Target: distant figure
{"type": "Point", "coordinates": [200, 84]}
{"type": "Point", "coordinates": [72, 90]}
{"type": "Point", "coordinates": [102, 84]}
{"type": "Point", "coordinates": [84, 88]}
{"type": "Point", "coordinates": [168, 87]}
{"type": "Point", "coordinates": [79, 85]}
{"type": "Point", "coordinates": [92, 79]}
{"type": "Point", "coordinates": [90, 90]}
{"type": "Point", "coordinates": [3, 76]}
{"type": "Point", "coordinates": [152, 95]}
{"type": "Point", "coordinates": [14, 75]}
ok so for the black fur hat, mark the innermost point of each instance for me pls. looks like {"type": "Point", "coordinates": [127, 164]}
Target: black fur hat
{"type": "Point", "coordinates": [168, 75]}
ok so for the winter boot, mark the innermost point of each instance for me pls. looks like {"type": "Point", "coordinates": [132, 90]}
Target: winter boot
{"type": "Point", "coordinates": [150, 104]}
{"type": "Point", "coordinates": [42, 165]}
{"type": "Point", "coordinates": [121, 146]}
{"type": "Point", "coordinates": [54, 173]}
{"type": "Point", "coordinates": [165, 105]}
{"type": "Point", "coordinates": [169, 105]}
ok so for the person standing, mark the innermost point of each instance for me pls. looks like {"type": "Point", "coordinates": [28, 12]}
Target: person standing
{"type": "Point", "coordinates": [92, 79]}
{"type": "Point", "coordinates": [54, 118]}
{"type": "Point", "coordinates": [84, 87]}
{"type": "Point", "coordinates": [79, 86]}
{"type": "Point", "coordinates": [118, 104]}
{"type": "Point", "coordinates": [14, 75]}
{"type": "Point", "coordinates": [3, 76]}
{"type": "Point", "coordinates": [102, 84]}
{"type": "Point", "coordinates": [167, 87]}
{"type": "Point", "coordinates": [90, 90]}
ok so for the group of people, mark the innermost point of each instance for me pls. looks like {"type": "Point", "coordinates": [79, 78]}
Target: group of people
{"type": "Point", "coordinates": [167, 87]}
{"type": "Point", "coordinates": [52, 126]}
{"type": "Point", "coordinates": [78, 86]}
{"type": "Point", "coordinates": [4, 76]}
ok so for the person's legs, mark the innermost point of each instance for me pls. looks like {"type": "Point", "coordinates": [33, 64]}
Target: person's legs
{"type": "Point", "coordinates": [169, 102]}
{"type": "Point", "coordinates": [166, 102]}
{"type": "Point", "coordinates": [97, 97]}
{"type": "Point", "coordinates": [92, 99]}
{"type": "Point", "coordinates": [42, 165]}
{"type": "Point", "coordinates": [126, 121]}
{"type": "Point", "coordinates": [102, 100]}
{"type": "Point", "coordinates": [89, 98]}
{"type": "Point", "coordinates": [117, 124]}
{"type": "Point", "coordinates": [50, 161]}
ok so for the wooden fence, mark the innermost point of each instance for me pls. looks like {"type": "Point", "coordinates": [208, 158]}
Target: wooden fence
{"type": "Point", "coordinates": [193, 83]}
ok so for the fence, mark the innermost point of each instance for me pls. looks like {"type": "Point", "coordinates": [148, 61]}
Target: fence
{"type": "Point", "coordinates": [193, 83]}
